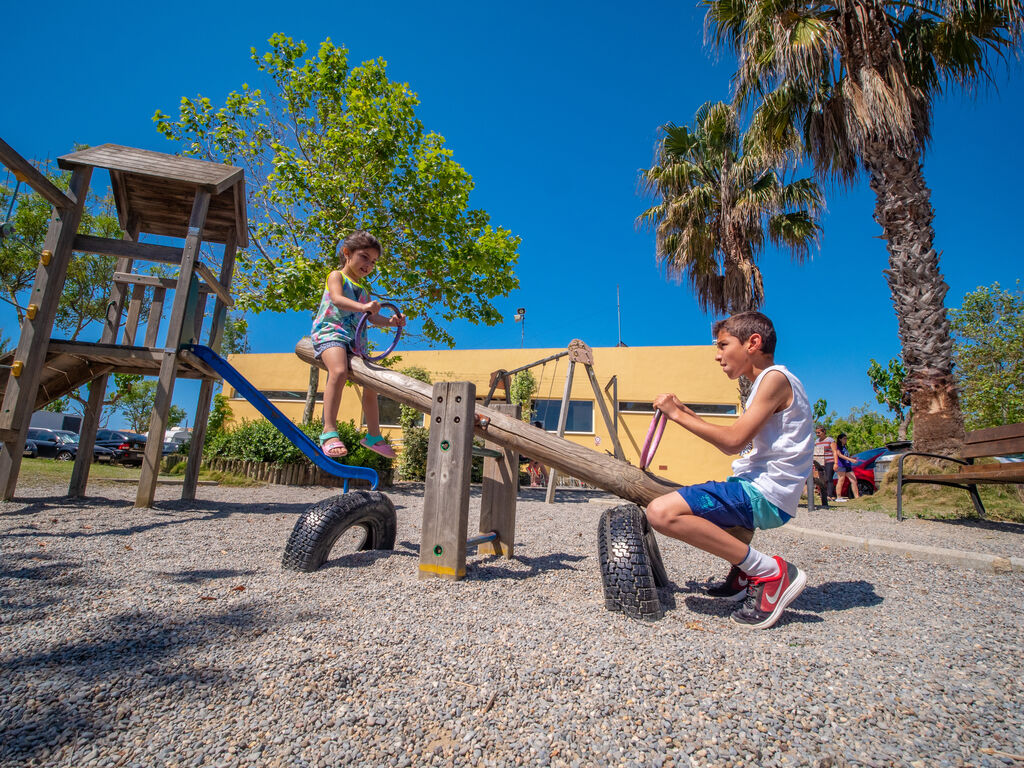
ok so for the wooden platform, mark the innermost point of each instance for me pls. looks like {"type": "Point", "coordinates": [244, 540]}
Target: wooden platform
{"type": "Point", "coordinates": [70, 364]}
{"type": "Point", "coordinates": [156, 190]}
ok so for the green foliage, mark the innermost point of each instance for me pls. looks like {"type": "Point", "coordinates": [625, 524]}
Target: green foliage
{"type": "Point", "coordinates": [59, 405]}
{"type": "Point", "coordinates": [220, 412]}
{"type": "Point", "coordinates": [261, 441]}
{"type": "Point", "coordinates": [820, 409]}
{"type": "Point", "coordinates": [235, 339]}
{"type": "Point", "coordinates": [328, 149]}
{"type": "Point", "coordinates": [888, 384]}
{"type": "Point", "coordinates": [412, 461]}
{"type": "Point", "coordinates": [522, 389]}
{"type": "Point", "coordinates": [84, 299]}
{"type": "Point", "coordinates": [864, 428]}
{"type": "Point", "coordinates": [411, 417]}
{"type": "Point", "coordinates": [989, 352]}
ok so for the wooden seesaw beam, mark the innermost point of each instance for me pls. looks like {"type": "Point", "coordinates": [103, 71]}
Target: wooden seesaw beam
{"type": "Point", "coordinates": [599, 469]}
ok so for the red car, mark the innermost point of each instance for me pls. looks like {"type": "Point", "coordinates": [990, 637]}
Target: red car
{"type": "Point", "coordinates": [864, 471]}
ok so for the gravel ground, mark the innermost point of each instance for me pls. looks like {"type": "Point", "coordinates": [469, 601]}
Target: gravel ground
{"type": "Point", "coordinates": [171, 637]}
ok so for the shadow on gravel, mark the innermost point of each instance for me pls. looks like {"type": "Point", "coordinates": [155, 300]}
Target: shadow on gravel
{"type": "Point", "coordinates": [797, 613]}
{"type": "Point", "coordinates": [197, 576]}
{"type": "Point", "coordinates": [150, 650]}
{"type": "Point", "coordinates": [194, 512]}
{"type": "Point", "coordinates": [493, 567]}
{"type": "Point", "coordinates": [982, 525]}
{"type": "Point", "coordinates": [21, 567]}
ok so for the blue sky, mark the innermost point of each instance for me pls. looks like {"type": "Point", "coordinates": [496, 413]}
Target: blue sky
{"type": "Point", "coordinates": [552, 110]}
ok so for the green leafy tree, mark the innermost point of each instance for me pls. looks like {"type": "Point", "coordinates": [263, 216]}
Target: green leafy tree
{"type": "Point", "coordinates": [888, 385]}
{"type": "Point", "coordinates": [863, 428]}
{"type": "Point", "coordinates": [136, 403]}
{"type": "Point", "coordinates": [329, 149]}
{"type": "Point", "coordinates": [89, 277]}
{"type": "Point", "coordinates": [857, 82]}
{"type": "Point", "coordinates": [989, 353]}
{"type": "Point", "coordinates": [720, 199]}
{"type": "Point", "coordinates": [235, 339]}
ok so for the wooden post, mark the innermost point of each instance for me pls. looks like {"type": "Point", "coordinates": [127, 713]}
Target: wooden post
{"type": "Point", "coordinates": [20, 395]}
{"type": "Point", "coordinates": [609, 424]}
{"type": "Point", "coordinates": [563, 415]}
{"type": "Point", "coordinates": [446, 492]}
{"type": "Point", "coordinates": [202, 415]}
{"type": "Point", "coordinates": [168, 366]}
{"type": "Point", "coordinates": [131, 321]}
{"type": "Point", "coordinates": [156, 311]}
{"type": "Point", "coordinates": [98, 386]}
{"type": "Point", "coordinates": [499, 492]}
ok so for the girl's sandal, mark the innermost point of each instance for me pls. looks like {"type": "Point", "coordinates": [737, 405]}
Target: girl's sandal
{"type": "Point", "coordinates": [332, 445]}
{"type": "Point", "coordinates": [379, 445]}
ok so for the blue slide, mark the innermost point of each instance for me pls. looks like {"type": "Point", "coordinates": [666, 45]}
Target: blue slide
{"type": "Point", "coordinates": [299, 438]}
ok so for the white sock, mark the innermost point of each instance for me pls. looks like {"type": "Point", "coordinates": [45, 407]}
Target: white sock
{"type": "Point", "coordinates": [759, 565]}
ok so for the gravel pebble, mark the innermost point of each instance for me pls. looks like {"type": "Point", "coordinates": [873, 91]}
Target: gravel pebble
{"type": "Point", "coordinates": [171, 636]}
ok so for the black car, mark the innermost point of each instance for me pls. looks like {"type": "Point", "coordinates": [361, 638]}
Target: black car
{"type": "Point", "coordinates": [61, 445]}
{"type": "Point", "coordinates": [31, 451]}
{"type": "Point", "coordinates": [128, 447]}
{"type": "Point", "coordinates": [99, 453]}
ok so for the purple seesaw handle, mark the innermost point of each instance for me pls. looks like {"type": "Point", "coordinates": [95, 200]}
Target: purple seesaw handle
{"type": "Point", "coordinates": [653, 439]}
{"type": "Point", "coordinates": [357, 342]}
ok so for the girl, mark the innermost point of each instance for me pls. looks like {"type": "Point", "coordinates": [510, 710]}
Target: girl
{"type": "Point", "coordinates": [844, 466]}
{"type": "Point", "coordinates": [345, 299]}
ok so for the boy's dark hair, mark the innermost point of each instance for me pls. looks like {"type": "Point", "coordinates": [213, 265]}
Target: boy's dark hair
{"type": "Point", "coordinates": [743, 325]}
{"type": "Point", "coordinates": [359, 239]}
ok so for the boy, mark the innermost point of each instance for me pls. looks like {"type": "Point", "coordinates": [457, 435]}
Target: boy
{"type": "Point", "coordinates": [775, 433]}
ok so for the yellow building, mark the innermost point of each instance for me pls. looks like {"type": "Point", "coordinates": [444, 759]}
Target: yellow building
{"type": "Point", "coordinates": [629, 377]}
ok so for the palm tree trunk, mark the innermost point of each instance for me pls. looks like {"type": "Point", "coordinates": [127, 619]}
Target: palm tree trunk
{"type": "Point", "coordinates": [903, 208]}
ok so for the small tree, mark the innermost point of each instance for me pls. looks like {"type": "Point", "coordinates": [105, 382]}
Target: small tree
{"type": "Point", "coordinates": [523, 387]}
{"type": "Point", "coordinates": [888, 386]}
{"type": "Point", "coordinates": [989, 352]}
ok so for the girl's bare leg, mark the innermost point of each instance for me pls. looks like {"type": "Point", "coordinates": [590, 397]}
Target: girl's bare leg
{"type": "Point", "coordinates": [336, 361]}
{"type": "Point", "coordinates": [370, 411]}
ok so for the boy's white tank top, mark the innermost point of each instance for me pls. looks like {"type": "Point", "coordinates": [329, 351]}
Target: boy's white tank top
{"type": "Point", "coordinates": [779, 461]}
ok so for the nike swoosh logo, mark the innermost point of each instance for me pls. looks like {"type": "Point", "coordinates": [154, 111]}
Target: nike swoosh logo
{"type": "Point", "coordinates": [742, 581]}
{"type": "Point", "coordinates": [772, 599]}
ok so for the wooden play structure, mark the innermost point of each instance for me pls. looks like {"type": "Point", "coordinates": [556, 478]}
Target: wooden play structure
{"type": "Point", "coordinates": [155, 194]}
{"type": "Point", "coordinates": [577, 352]}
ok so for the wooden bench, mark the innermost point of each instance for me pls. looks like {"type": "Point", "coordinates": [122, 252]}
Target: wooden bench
{"type": "Point", "coordinates": [981, 443]}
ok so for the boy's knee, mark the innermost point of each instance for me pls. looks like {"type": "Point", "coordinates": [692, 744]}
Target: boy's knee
{"type": "Point", "coordinates": [662, 509]}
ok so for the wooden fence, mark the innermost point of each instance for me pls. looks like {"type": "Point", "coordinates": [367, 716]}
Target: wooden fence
{"type": "Point", "coordinates": [303, 473]}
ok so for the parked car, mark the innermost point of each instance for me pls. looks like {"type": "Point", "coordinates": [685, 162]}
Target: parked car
{"type": "Point", "coordinates": [871, 467]}
{"type": "Point", "coordinates": [128, 447]}
{"type": "Point", "coordinates": [62, 445]}
{"type": "Point", "coordinates": [99, 453]}
{"type": "Point", "coordinates": [31, 451]}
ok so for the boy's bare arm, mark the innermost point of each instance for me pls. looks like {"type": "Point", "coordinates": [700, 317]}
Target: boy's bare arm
{"type": "Point", "coordinates": [773, 394]}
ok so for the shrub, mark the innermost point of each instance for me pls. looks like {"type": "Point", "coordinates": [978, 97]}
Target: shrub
{"type": "Point", "coordinates": [412, 462]}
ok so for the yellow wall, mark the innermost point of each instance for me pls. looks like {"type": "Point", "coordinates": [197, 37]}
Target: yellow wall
{"type": "Point", "coordinates": [643, 372]}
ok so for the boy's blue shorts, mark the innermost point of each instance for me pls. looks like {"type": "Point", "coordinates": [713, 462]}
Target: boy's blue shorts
{"type": "Point", "coordinates": [728, 504]}
{"type": "Point", "coordinates": [724, 504]}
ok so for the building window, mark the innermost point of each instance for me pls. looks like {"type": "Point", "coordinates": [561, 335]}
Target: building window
{"type": "Point", "coordinates": [580, 417]}
{"type": "Point", "coordinates": [289, 396]}
{"type": "Point", "coordinates": [701, 409]}
{"type": "Point", "coordinates": [390, 412]}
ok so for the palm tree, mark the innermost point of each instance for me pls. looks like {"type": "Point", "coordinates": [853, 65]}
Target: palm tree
{"type": "Point", "coordinates": [719, 200]}
{"type": "Point", "coordinates": [857, 79]}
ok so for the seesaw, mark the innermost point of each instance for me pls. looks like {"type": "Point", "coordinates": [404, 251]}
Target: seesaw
{"type": "Point", "coordinates": [628, 553]}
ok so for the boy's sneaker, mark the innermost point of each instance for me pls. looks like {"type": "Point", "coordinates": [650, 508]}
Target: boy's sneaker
{"type": "Point", "coordinates": [733, 588]}
{"type": "Point", "coordinates": [768, 598]}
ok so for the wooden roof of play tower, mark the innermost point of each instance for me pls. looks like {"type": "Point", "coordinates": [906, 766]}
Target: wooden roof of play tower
{"type": "Point", "coordinates": [155, 191]}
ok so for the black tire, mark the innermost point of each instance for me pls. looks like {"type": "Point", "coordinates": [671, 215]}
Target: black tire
{"type": "Point", "coordinates": [319, 527]}
{"type": "Point", "coordinates": [865, 488]}
{"type": "Point", "coordinates": [65, 456]}
{"type": "Point", "coordinates": [627, 554]}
